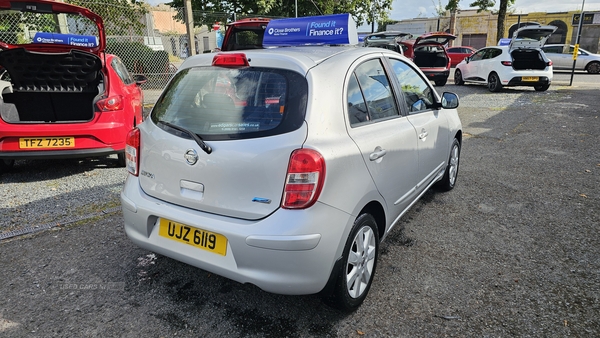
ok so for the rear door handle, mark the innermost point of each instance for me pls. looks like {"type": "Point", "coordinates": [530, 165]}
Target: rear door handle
{"type": "Point", "coordinates": [377, 154]}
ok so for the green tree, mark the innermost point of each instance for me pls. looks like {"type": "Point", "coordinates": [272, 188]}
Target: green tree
{"type": "Point", "coordinates": [439, 9]}
{"type": "Point", "coordinates": [363, 11]}
{"type": "Point", "coordinates": [121, 17]}
{"type": "Point", "coordinates": [382, 24]}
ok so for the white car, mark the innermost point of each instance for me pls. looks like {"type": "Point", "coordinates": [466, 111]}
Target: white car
{"type": "Point", "coordinates": [521, 63]}
{"type": "Point", "coordinates": [562, 58]}
{"type": "Point", "coordinates": [286, 167]}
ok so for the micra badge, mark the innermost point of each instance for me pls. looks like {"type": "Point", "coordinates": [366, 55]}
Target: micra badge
{"type": "Point", "coordinates": [147, 174]}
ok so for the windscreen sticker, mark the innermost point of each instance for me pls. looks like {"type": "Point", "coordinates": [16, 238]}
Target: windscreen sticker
{"type": "Point", "coordinates": [66, 39]}
{"type": "Point", "coordinates": [234, 127]}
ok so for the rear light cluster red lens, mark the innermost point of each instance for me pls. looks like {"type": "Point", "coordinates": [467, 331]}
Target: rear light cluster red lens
{"type": "Point", "coordinates": [304, 180]}
{"type": "Point", "coordinates": [506, 63]}
{"type": "Point", "coordinates": [132, 152]}
{"type": "Point", "coordinates": [111, 103]}
{"type": "Point", "coordinates": [549, 63]}
{"type": "Point", "coordinates": [230, 60]}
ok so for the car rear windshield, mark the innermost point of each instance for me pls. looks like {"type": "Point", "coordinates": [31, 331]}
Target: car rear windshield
{"type": "Point", "coordinates": [244, 37]}
{"type": "Point", "coordinates": [223, 103]}
{"type": "Point", "coordinates": [26, 27]}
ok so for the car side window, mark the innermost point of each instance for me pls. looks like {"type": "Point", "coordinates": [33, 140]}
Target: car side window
{"type": "Point", "coordinates": [488, 54]}
{"type": "Point", "coordinates": [478, 55]}
{"type": "Point", "coordinates": [121, 71]}
{"type": "Point", "coordinates": [369, 94]}
{"type": "Point", "coordinates": [553, 49]}
{"type": "Point", "coordinates": [417, 92]}
{"type": "Point", "coordinates": [572, 49]}
{"type": "Point", "coordinates": [357, 108]}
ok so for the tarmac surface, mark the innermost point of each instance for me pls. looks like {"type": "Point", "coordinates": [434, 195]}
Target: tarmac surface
{"type": "Point", "coordinates": [513, 250]}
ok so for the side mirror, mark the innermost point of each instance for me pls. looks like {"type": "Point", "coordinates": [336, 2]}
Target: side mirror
{"type": "Point", "coordinates": [449, 100]}
{"type": "Point", "coordinates": [140, 79]}
{"type": "Point", "coordinates": [467, 59]}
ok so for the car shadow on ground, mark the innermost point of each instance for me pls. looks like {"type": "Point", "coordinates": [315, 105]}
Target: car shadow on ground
{"type": "Point", "coordinates": [41, 170]}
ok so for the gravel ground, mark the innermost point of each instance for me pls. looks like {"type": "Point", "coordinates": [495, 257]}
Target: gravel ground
{"type": "Point", "coordinates": [512, 251]}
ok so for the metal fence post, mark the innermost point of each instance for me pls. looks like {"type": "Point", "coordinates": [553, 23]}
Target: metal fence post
{"type": "Point", "coordinates": [189, 26]}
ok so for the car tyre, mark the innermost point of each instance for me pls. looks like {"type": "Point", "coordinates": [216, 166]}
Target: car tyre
{"type": "Point", "coordinates": [458, 80]}
{"type": "Point", "coordinates": [494, 84]}
{"type": "Point", "coordinates": [441, 83]}
{"type": "Point", "coordinates": [541, 88]}
{"type": "Point", "coordinates": [6, 165]}
{"type": "Point", "coordinates": [451, 174]}
{"type": "Point", "coordinates": [593, 68]}
{"type": "Point", "coordinates": [359, 261]}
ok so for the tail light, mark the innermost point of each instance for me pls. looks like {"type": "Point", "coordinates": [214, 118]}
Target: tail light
{"type": "Point", "coordinates": [549, 63]}
{"type": "Point", "coordinates": [132, 152]}
{"type": "Point", "coordinates": [111, 103]}
{"type": "Point", "coordinates": [304, 179]}
{"type": "Point", "coordinates": [506, 63]}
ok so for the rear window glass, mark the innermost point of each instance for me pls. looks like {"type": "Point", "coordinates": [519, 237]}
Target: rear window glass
{"type": "Point", "coordinates": [26, 27]}
{"type": "Point", "coordinates": [244, 38]}
{"type": "Point", "coordinates": [222, 103]}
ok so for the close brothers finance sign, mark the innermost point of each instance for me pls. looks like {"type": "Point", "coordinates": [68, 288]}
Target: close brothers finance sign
{"type": "Point", "coordinates": [337, 29]}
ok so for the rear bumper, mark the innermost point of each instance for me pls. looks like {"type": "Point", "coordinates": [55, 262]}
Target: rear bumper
{"type": "Point", "coordinates": [436, 75]}
{"type": "Point", "coordinates": [57, 154]}
{"type": "Point", "coordinates": [104, 135]}
{"type": "Point", "coordinates": [289, 252]}
{"type": "Point", "coordinates": [518, 81]}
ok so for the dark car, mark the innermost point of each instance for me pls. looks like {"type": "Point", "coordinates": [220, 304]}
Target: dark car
{"type": "Point", "coordinates": [428, 51]}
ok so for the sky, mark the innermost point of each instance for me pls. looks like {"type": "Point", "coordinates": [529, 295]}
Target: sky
{"type": "Point", "coordinates": [408, 9]}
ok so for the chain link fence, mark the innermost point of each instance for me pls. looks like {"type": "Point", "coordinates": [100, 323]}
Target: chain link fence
{"type": "Point", "coordinates": [152, 40]}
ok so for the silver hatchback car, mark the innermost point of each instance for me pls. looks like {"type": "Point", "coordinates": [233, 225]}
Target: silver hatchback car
{"type": "Point", "coordinates": [287, 167]}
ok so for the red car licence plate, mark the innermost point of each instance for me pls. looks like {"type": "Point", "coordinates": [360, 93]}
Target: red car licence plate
{"type": "Point", "coordinates": [46, 142]}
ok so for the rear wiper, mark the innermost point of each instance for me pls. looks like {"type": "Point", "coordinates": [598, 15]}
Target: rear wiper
{"type": "Point", "coordinates": [207, 149]}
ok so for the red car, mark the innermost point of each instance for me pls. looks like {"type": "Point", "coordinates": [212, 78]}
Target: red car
{"type": "Point", "coordinates": [245, 34]}
{"type": "Point", "coordinates": [428, 51]}
{"type": "Point", "coordinates": [459, 53]}
{"type": "Point", "coordinates": [62, 96]}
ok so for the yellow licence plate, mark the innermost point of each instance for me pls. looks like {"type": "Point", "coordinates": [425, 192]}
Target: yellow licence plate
{"type": "Point", "coordinates": [46, 142]}
{"type": "Point", "coordinates": [198, 238]}
{"type": "Point", "coordinates": [530, 78]}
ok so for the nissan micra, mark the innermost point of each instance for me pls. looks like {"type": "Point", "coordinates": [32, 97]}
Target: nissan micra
{"type": "Point", "coordinates": [286, 167]}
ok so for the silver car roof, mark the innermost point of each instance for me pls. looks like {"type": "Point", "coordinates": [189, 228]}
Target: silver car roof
{"type": "Point", "coordinates": [299, 59]}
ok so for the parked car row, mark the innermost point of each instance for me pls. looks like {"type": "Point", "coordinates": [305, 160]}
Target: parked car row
{"type": "Point", "coordinates": [561, 56]}
{"type": "Point", "coordinates": [427, 51]}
